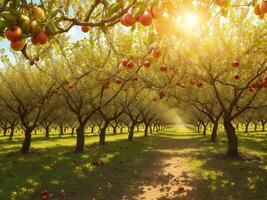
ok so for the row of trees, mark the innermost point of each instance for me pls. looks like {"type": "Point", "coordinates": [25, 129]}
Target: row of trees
{"type": "Point", "coordinates": [80, 88]}
{"type": "Point", "coordinates": [217, 68]}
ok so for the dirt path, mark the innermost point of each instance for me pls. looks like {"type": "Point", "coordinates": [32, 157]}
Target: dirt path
{"type": "Point", "coordinates": [165, 174]}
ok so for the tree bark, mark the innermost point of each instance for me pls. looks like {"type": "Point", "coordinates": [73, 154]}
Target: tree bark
{"type": "Point", "coordinates": [47, 134]}
{"type": "Point", "coordinates": [61, 131]}
{"type": "Point", "coordinates": [204, 130]}
{"type": "Point", "coordinates": [255, 127]}
{"type": "Point", "coordinates": [246, 127]}
{"type": "Point", "coordinates": [115, 130]}
{"type": "Point", "coordinates": [214, 132]}
{"type": "Point", "coordinates": [80, 139]}
{"type": "Point", "coordinates": [198, 128]}
{"type": "Point", "coordinates": [146, 130]}
{"type": "Point", "coordinates": [27, 140]}
{"type": "Point", "coordinates": [72, 131]}
{"type": "Point", "coordinates": [12, 130]}
{"type": "Point", "coordinates": [131, 132]}
{"type": "Point", "coordinates": [232, 138]}
{"type": "Point", "coordinates": [102, 135]}
{"type": "Point", "coordinates": [5, 131]}
{"type": "Point", "coordinates": [263, 126]}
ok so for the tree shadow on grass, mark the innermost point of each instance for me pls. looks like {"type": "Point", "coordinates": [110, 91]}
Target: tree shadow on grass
{"type": "Point", "coordinates": [222, 178]}
{"type": "Point", "coordinates": [125, 166]}
{"type": "Point", "coordinates": [82, 176]}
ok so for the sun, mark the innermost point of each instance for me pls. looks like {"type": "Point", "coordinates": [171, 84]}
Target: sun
{"type": "Point", "coordinates": [191, 20]}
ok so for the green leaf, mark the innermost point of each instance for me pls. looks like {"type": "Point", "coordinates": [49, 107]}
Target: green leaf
{"type": "Point", "coordinates": [51, 26]}
{"type": "Point", "coordinates": [3, 26]}
{"type": "Point", "coordinates": [8, 16]}
{"type": "Point", "coordinates": [15, 3]}
{"type": "Point", "coordinates": [55, 12]}
{"type": "Point", "coordinates": [113, 8]}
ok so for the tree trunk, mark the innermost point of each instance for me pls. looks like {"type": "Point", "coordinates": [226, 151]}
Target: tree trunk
{"type": "Point", "coordinates": [121, 130]}
{"type": "Point", "coordinates": [198, 128]}
{"type": "Point", "coordinates": [12, 130]}
{"type": "Point", "coordinates": [204, 130]}
{"type": "Point", "coordinates": [5, 131]}
{"type": "Point", "coordinates": [47, 135]}
{"type": "Point", "coordinates": [92, 129]}
{"type": "Point", "coordinates": [246, 127]}
{"type": "Point", "coordinates": [255, 127]}
{"type": "Point", "coordinates": [263, 126]}
{"type": "Point", "coordinates": [80, 139]}
{"type": "Point", "coordinates": [27, 141]}
{"type": "Point", "coordinates": [137, 127]}
{"type": "Point", "coordinates": [214, 132]}
{"type": "Point", "coordinates": [61, 131]}
{"type": "Point", "coordinates": [146, 130]}
{"type": "Point", "coordinates": [102, 135]}
{"type": "Point", "coordinates": [131, 132]}
{"type": "Point", "coordinates": [232, 139]}
{"type": "Point", "coordinates": [72, 131]}
{"type": "Point", "coordinates": [115, 130]}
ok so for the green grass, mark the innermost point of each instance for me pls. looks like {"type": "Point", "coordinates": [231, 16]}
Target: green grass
{"type": "Point", "coordinates": [54, 167]}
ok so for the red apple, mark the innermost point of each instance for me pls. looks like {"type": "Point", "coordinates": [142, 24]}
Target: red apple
{"type": "Point", "coordinates": [130, 64]}
{"type": "Point", "coordinates": [34, 41]}
{"type": "Point", "coordinates": [163, 68]}
{"type": "Point", "coordinates": [85, 29]}
{"type": "Point", "coordinates": [236, 77]}
{"type": "Point", "coordinates": [235, 63]}
{"type": "Point", "coordinates": [199, 85]}
{"type": "Point", "coordinates": [71, 86]}
{"type": "Point", "coordinates": [156, 53]}
{"type": "Point", "coordinates": [257, 9]}
{"type": "Point", "coordinates": [181, 189]}
{"type": "Point", "coordinates": [42, 37]}
{"type": "Point", "coordinates": [146, 18]}
{"type": "Point", "coordinates": [118, 81]}
{"type": "Point", "coordinates": [14, 33]}
{"type": "Point", "coordinates": [263, 7]}
{"type": "Point", "coordinates": [124, 62]}
{"type": "Point", "coordinates": [17, 45]}
{"type": "Point", "coordinates": [128, 19]}
{"type": "Point", "coordinates": [135, 78]}
{"type": "Point", "coordinates": [31, 62]}
{"type": "Point", "coordinates": [192, 82]}
{"type": "Point", "coordinates": [147, 63]}
{"type": "Point", "coordinates": [222, 3]}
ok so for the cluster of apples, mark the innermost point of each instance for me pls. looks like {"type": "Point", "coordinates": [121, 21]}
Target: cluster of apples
{"type": "Point", "coordinates": [28, 26]}
{"type": "Point", "coordinates": [260, 9]}
{"type": "Point", "coordinates": [155, 53]}
{"type": "Point", "coordinates": [196, 83]}
{"type": "Point", "coordinates": [128, 63]}
{"type": "Point", "coordinates": [146, 18]}
{"type": "Point", "coordinates": [236, 64]}
{"type": "Point", "coordinates": [178, 84]}
{"type": "Point", "coordinates": [258, 85]}
{"type": "Point", "coordinates": [44, 194]}
{"type": "Point", "coordinates": [161, 94]}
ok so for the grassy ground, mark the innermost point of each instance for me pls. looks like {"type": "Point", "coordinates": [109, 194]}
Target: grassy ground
{"type": "Point", "coordinates": [148, 168]}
